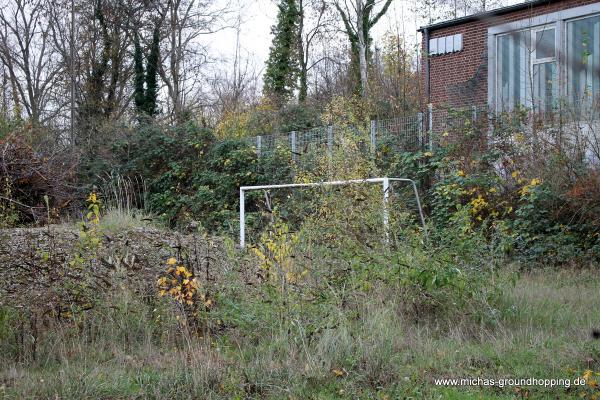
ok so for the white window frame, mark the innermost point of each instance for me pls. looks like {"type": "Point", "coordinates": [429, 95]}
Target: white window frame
{"type": "Point", "coordinates": [534, 31]}
{"type": "Point", "coordinates": [533, 60]}
{"type": "Point", "coordinates": [446, 44]}
{"type": "Point", "coordinates": [530, 59]}
{"type": "Point", "coordinates": [560, 20]}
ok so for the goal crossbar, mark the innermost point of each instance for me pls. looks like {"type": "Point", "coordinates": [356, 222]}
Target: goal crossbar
{"type": "Point", "coordinates": [385, 186]}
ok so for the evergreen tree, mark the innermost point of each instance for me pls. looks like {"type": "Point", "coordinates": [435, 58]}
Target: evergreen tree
{"type": "Point", "coordinates": [152, 73]}
{"type": "Point", "coordinates": [139, 94]}
{"type": "Point", "coordinates": [282, 65]}
{"type": "Point", "coordinates": [145, 85]}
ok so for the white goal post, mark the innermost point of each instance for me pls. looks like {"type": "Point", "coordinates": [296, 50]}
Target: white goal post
{"type": "Point", "coordinates": [385, 186]}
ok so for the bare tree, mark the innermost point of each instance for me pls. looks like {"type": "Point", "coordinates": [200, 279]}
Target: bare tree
{"type": "Point", "coordinates": [394, 81]}
{"type": "Point", "coordinates": [331, 76]}
{"type": "Point", "coordinates": [315, 20]}
{"type": "Point", "coordinates": [359, 16]}
{"type": "Point", "coordinates": [32, 65]}
{"type": "Point", "coordinates": [184, 56]}
{"type": "Point", "coordinates": [235, 88]}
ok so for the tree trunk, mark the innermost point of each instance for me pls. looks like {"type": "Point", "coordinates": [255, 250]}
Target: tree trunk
{"type": "Point", "coordinates": [362, 47]}
{"type": "Point", "coordinates": [302, 57]}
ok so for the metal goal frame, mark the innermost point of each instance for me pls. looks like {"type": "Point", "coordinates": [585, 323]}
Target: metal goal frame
{"type": "Point", "coordinates": [385, 181]}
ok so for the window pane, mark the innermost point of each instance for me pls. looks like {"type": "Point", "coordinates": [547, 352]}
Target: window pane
{"type": "Point", "coordinates": [544, 86]}
{"type": "Point", "coordinates": [512, 69]}
{"type": "Point", "coordinates": [441, 45]}
{"type": "Point", "coordinates": [583, 59]}
{"type": "Point", "coordinates": [458, 42]}
{"type": "Point", "coordinates": [449, 44]}
{"type": "Point", "coordinates": [433, 46]}
{"type": "Point", "coordinates": [545, 44]}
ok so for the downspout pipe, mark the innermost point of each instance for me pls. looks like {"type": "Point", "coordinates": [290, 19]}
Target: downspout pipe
{"type": "Point", "coordinates": [426, 66]}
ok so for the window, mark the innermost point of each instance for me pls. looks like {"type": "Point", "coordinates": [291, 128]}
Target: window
{"type": "Point", "coordinates": [446, 44]}
{"type": "Point", "coordinates": [526, 69]}
{"type": "Point", "coordinates": [513, 50]}
{"type": "Point", "coordinates": [583, 60]}
{"type": "Point", "coordinates": [544, 71]}
{"type": "Point", "coordinates": [544, 60]}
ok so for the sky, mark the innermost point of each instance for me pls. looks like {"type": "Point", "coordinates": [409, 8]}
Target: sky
{"type": "Point", "coordinates": [258, 16]}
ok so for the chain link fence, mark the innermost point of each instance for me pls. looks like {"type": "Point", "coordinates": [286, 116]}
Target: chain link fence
{"type": "Point", "coordinates": [418, 132]}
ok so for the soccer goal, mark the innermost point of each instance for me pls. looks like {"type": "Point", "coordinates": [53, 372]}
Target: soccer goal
{"type": "Point", "coordinates": [385, 183]}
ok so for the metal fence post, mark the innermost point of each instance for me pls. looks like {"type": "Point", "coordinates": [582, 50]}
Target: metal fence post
{"type": "Point", "coordinates": [420, 131]}
{"type": "Point", "coordinates": [293, 146]}
{"type": "Point", "coordinates": [430, 125]}
{"type": "Point", "coordinates": [330, 141]}
{"type": "Point", "coordinates": [386, 213]}
{"type": "Point", "coordinates": [330, 148]}
{"type": "Point", "coordinates": [373, 137]}
{"type": "Point", "coordinates": [258, 145]}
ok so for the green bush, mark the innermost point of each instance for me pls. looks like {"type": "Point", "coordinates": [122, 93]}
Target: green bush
{"type": "Point", "coordinates": [527, 184]}
{"type": "Point", "coordinates": [192, 176]}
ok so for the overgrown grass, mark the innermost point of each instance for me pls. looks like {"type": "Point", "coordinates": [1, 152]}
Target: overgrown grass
{"type": "Point", "coordinates": [134, 347]}
{"type": "Point", "coordinates": [115, 219]}
{"type": "Point", "coordinates": [359, 315]}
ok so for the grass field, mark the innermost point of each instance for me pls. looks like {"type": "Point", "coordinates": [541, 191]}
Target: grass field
{"type": "Point", "coordinates": [134, 348]}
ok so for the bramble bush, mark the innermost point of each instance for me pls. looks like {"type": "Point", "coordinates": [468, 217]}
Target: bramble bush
{"type": "Point", "coordinates": [529, 187]}
{"type": "Point", "coordinates": [31, 170]}
{"type": "Point", "coordinates": [191, 176]}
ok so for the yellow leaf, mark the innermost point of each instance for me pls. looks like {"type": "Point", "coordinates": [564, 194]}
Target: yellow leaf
{"type": "Point", "coordinates": [181, 271]}
{"type": "Point", "coordinates": [171, 261]}
{"type": "Point", "coordinates": [338, 372]}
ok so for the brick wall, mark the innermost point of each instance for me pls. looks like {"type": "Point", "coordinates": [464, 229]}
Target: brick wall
{"type": "Point", "coordinates": [460, 79]}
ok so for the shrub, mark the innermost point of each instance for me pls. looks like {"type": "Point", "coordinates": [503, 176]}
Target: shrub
{"type": "Point", "coordinates": [191, 176]}
{"type": "Point", "coordinates": [529, 182]}
{"type": "Point", "coordinates": [28, 175]}
{"type": "Point", "coordinates": [266, 118]}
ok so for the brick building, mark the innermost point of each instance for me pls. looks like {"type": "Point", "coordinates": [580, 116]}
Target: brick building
{"type": "Point", "coordinates": [532, 54]}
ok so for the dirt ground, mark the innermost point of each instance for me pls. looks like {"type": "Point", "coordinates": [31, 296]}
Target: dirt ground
{"type": "Point", "coordinates": [45, 268]}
